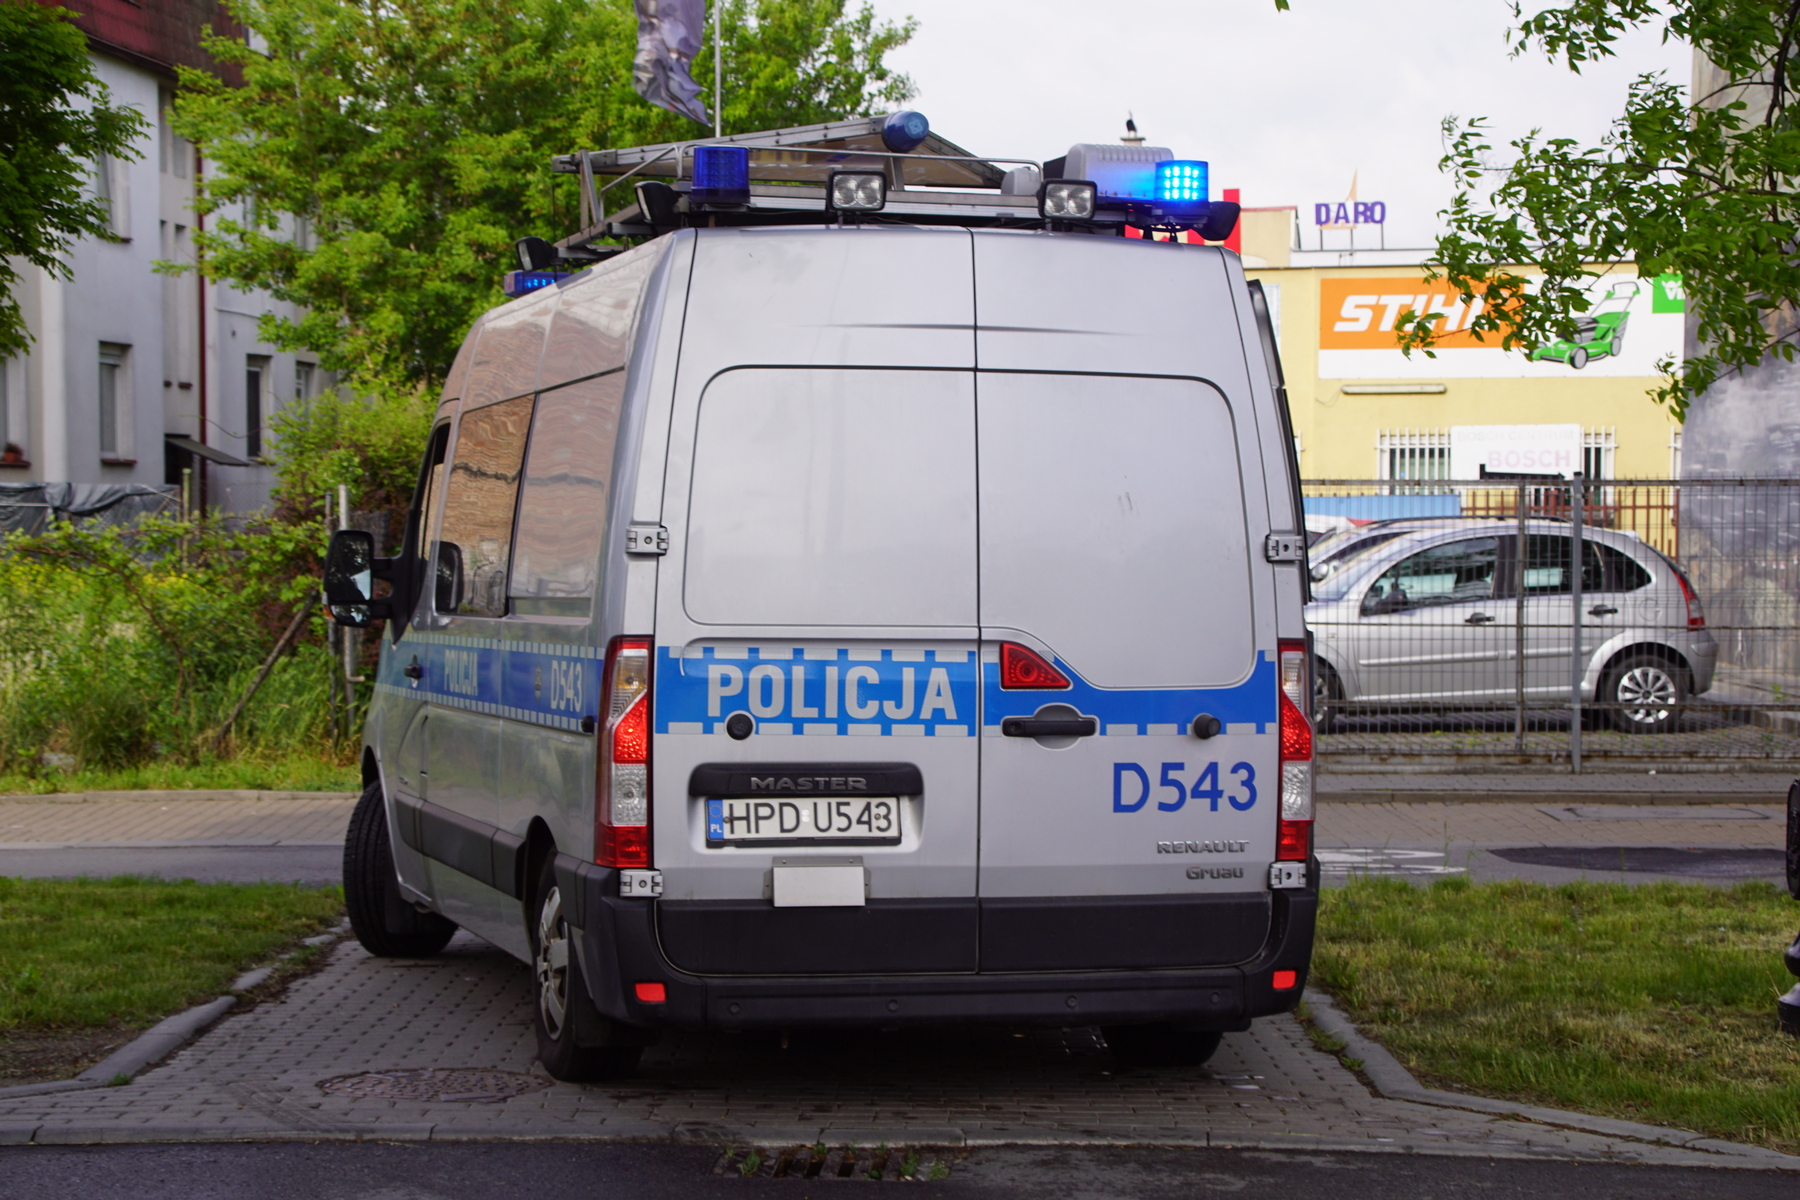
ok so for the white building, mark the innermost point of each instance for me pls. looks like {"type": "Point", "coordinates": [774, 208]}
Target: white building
{"type": "Point", "coordinates": [135, 374]}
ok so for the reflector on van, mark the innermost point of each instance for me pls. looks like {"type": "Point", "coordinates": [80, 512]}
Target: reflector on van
{"type": "Point", "coordinates": [1021, 667]}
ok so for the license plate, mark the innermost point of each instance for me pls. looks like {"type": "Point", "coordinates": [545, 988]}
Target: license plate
{"type": "Point", "coordinates": [866, 820]}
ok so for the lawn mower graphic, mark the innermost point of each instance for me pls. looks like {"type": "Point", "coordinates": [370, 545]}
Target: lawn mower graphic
{"type": "Point", "coordinates": [1600, 333]}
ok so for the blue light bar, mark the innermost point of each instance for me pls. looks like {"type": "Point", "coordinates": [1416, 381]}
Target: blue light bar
{"type": "Point", "coordinates": [523, 283]}
{"type": "Point", "coordinates": [1181, 183]}
{"type": "Point", "coordinates": [904, 132]}
{"type": "Point", "coordinates": [721, 174]}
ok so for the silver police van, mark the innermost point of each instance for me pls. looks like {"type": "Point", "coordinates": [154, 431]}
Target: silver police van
{"type": "Point", "coordinates": [874, 598]}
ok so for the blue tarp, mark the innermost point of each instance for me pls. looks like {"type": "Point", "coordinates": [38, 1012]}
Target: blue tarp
{"type": "Point", "coordinates": [1384, 508]}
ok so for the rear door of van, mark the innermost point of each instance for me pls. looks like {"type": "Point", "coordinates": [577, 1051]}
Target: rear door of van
{"type": "Point", "coordinates": [1121, 496]}
{"type": "Point", "coordinates": [819, 597]}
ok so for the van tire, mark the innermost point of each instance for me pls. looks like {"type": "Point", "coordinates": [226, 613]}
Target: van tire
{"type": "Point", "coordinates": [1160, 1044]}
{"type": "Point", "coordinates": [384, 920]}
{"type": "Point", "coordinates": [1661, 685]}
{"type": "Point", "coordinates": [562, 1012]}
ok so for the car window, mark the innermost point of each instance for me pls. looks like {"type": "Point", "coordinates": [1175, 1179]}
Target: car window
{"type": "Point", "coordinates": [1448, 574]}
{"type": "Point", "coordinates": [1603, 569]}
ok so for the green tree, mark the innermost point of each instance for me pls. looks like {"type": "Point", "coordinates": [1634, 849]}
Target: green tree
{"type": "Point", "coordinates": [1704, 186]}
{"type": "Point", "coordinates": [388, 155]}
{"type": "Point", "coordinates": [56, 121]}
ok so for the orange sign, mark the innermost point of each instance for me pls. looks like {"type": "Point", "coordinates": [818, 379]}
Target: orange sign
{"type": "Point", "coordinates": [1360, 314]}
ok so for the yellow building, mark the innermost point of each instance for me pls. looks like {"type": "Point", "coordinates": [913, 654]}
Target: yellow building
{"type": "Point", "coordinates": [1362, 410]}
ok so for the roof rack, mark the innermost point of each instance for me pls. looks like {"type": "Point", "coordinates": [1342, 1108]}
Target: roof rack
{"type": "Point", "coordinates": [789, 169]}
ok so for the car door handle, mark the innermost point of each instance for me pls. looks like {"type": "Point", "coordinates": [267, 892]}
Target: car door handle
{"type": "Point", "coordinates": [1049, 727]}
{"type": "Point", "coordinates": [1602, 610]}
{"type": "Point", "coordinates": [1477, 619]}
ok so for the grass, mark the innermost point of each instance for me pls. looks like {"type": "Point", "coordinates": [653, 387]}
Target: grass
{"type": "Point", "coordinates": [289, 773]}
{"type": "Point", "coordinates": [1651, 1003]}
{"type": "Point", "coordinates": [93, 953]}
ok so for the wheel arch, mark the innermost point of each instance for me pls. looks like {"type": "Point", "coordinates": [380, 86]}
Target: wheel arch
{"type": "Point", "coordinates": [1662, 650]}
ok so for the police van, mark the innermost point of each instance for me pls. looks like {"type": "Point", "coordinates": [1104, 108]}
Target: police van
{"type": "Point", "coordinates": [874, 598]}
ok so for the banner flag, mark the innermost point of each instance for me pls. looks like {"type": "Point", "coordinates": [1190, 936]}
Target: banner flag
{"type": "Point", "coordinates": [668, 39]}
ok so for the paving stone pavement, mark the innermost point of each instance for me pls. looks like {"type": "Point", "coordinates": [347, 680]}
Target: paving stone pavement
{"type": "Point", "coordinates": [258, 1075]}
{"type": "Point", "coordinates": [174, 819]}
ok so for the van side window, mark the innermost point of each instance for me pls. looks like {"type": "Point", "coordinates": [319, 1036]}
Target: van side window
{"type": "Point", "coordinates": [475, 542]}
{"type": "Point", "coordinates": [562, 501]}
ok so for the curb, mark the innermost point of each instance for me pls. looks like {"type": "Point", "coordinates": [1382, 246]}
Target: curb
{"type": "Point", "coordinates": [1395, 1082]}
{"type": "Point", "coordinates": [161, 1039]}
{"type": "Point", "coordinates": [1555, 798]}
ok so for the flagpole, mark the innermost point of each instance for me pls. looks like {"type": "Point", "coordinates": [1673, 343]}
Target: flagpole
{"type": "Point", "coordinates": [718, 69]}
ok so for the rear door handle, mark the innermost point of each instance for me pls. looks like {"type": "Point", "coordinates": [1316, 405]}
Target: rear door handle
{"type": "Point", "coordinates": [1049, 727]}
{"type": "Point", "coordinates": [1477, 619]}
{"type": "Point", "coordinates": [1602, 610]}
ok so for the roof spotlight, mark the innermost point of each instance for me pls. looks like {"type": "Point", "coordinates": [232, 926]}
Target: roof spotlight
{"type": "Point", "coordinates": [1066, 200]}
{"type": "Point", "coordinates": [855, 191]}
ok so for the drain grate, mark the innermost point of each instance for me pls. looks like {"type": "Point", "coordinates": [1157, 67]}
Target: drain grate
{"type": "Point", "coordinates": [900, 1164]}
{"type": "Point", "coordinates": [458, 1084]}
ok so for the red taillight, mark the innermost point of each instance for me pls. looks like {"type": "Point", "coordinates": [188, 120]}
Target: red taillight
{"type": "Point", "coordinates": [1696, 615]}
{"type": "Point", "coordinates": [1023, 668]}
{"type": "Point", "coordinates": [1293, 838]}
{"type": "Point", "coordinates": [622, 799]}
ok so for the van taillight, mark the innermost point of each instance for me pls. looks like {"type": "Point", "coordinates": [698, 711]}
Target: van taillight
{"type": "Point", "coordinates": [1696, 615]}
{"type": "Point", "coordinates": [1023, 668]}
{"type": "Point", "coordinates": [622, 803]}
{"type": "Point", "coordinates": [1293, 839]}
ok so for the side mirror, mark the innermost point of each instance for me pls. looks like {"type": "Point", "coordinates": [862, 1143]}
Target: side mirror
{"type": "Point", "coordinates": [350, 579]}
{"type": "Point", "coordinates": [449, 571]}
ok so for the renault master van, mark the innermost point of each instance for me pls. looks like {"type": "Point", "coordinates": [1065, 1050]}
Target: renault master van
{"type": "Point", "coordinates": [873, 598]}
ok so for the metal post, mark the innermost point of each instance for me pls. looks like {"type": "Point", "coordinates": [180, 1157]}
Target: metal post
{"type": "Point", "coordinates": [347, 639]}
{"type": "Point", "coordinates": [1577, 663]}
{"type": "Point", "coordinates": [718, 68]}
{"type": "Point", "coordinates": [1519, 630]}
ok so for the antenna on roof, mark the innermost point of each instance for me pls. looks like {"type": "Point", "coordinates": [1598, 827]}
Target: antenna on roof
{"type": "Point", "coordinates": [1132, 136]}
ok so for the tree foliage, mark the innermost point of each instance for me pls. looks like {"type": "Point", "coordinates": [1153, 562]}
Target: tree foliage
{"type": "Point", "coordinates": [380, 158]}
{"type": "Point", "coordinates": [56, 120]}
{"type": "Point", "coordinates": [1703, 186]}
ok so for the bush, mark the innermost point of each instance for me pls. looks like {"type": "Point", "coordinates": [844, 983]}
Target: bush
{"type": "Point", "coordinates": [121, 646]}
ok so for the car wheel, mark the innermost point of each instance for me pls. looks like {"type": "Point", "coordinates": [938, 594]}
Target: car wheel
{"type": "Point", "coordinates": [385, 922]}
{"type": "Point", "coordinates": [1578, 358]}
{"type": "Point", "coordinates": [1327, 688]}
{"type": "Point", "coordinates": [1650, 692]}
{"type": "Point", "coordinates": [571, 1032]}
{"type": "Point", "coordinates": [1160, 1045]}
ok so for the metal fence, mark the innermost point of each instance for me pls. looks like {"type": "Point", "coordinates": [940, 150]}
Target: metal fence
{"type": "Point", "coordinates": [1569, 622]}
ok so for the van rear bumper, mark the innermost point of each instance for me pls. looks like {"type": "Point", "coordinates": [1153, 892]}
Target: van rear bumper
{"type": "Point", "coordinates": [619, 951]}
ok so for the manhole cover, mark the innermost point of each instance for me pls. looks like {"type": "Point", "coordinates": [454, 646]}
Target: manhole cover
{"type": "Point", "coordinates": [461, 1085]}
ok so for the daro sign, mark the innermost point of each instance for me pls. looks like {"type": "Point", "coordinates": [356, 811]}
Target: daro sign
{"type": "Point", "coordinates": [1350, 212]}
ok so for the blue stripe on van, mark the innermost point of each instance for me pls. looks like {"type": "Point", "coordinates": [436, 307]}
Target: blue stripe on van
{"type": "Point", "coordinates": [834, 692]}
{"type": "Point", "coordinates": [539, 682]}
{"type": "Point", "coordinates": [1141, 711]}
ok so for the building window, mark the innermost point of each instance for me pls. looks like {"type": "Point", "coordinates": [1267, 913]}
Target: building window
{"type": "Point", "coordinates": [1597, 448]}
{"type": "Point", "coordinates": [12, 413]}
{"type": "Point", "coordinates": [303, 382]}
{"type": "Point", "coordinates": [1675, 453]}
{"type": "Point", "coordinates": [256, 375]}
{"type": "Point", "coordinates": [1413, 454]}
{"type": "Point", "coordinates": [115, 393]}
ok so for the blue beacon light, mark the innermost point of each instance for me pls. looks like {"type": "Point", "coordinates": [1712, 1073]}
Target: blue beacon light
{"type": "Point", "coordinates": [1181, 183]}
{"type": "Point", "coordinates": [721, 174]}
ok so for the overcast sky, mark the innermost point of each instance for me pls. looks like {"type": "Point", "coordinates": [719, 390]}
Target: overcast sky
{"type": "Point", "coordinates": [1285, 106]}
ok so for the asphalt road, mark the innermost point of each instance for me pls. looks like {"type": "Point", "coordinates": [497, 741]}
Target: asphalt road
{"type": "Point", "coordinates": [452, 1171]}
{"type": "Point", "coordinates": [314, 865]}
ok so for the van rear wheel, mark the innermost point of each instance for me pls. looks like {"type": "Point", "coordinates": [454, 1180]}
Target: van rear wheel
{"type": "Point", "coordinates": [385, 922]}
{"type": "Point", "coordinates": [570, 1030]}
{"type": "Point", "coordinates": [1160, 1044]}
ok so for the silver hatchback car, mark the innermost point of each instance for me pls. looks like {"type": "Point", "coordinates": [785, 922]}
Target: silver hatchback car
{"type": "Point", "coordinates": [1438, 616]}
